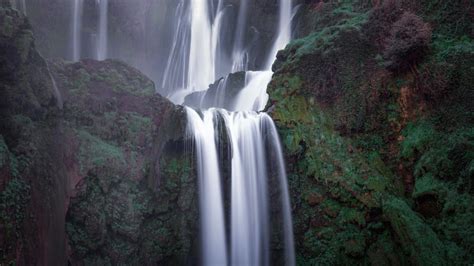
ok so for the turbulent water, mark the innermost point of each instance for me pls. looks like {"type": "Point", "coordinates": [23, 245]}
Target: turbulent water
{"type": "Point", "coordinates": [251, 136]}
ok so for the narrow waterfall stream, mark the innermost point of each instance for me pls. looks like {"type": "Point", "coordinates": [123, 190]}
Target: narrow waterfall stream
{"type": "Point", "coordinates": [103, 29]}
{"type": "Point", "coordinates": [101, 36]}
{"type": "Point", "coordinates": [76, 29]}
{"type": "Point", "coordinates": [252, 137]}
{"type": "Point", "coordinates": [20, 5]}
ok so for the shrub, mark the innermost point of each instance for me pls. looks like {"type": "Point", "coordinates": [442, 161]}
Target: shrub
{"type": "Point", "coordinates": [381, 20]}
{"type": "Point", "coordinates": [408, 42]}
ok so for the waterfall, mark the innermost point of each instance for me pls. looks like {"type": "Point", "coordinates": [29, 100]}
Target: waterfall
{"type": "Point", "coordinates": [76, 29]}
{"type": "Point", "coordinates": [211, 203]}
{"type": "Point", "coordinates": [239, 53]}
{"type": "Point", "coordinates": [191, 65]}
{"type": "Point", "coordinates": [252, 137]}
{"type": "Point", "coordinates": [284, 31]}
{"type": "Point", "coordinates": [201, 57]}
{"type": "Point", "coordinates": [103, 30]}
{"type": "Point", "coordinates": [101, 43]}
{"type": "Point", "coordinates": [19, 5]}
{"type": "Point", "coordinates": [23, 6]}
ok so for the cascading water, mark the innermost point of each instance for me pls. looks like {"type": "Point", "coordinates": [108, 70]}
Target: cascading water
{"type": "Point", "coordinates": [103, 32]}
{"type": "Point", "coordinates": [101, 42]}
{"type": "Point", "coordinates": [211, 204]}
{"type": "Point", "coordinates": [20, 5]}
{"type": "Point", "coordinates": [76, 29]}
{"type": "Point", "coordinates": [251, 136]}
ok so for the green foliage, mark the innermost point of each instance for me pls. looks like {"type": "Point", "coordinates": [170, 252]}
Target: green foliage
{"type": "Point", "coordinates": [123, 78]}
{"type": "Point", "coordinates": [446, 48]}
{"type": "Point", "coordinates": [8, 159]}
{"type": "Point", "coordinates": [449, 17]}
{"type": "Point", "coordinates": [80, 83]}
{"type": "Point", "coordinates": [339, 114]}
{"type": "Point", "coordinates": [456, 226]}
{"type": "Point", "coordinates": [417, 138]}
{"type": "Point", "coordinates": [324, 39]}
{"type": "Point", "coordinates": [441, 155]}
{"type": "Point", "coordinates": [427, 185]}
{"type": "Point", "coordinates": [13, 202]}
{"type": "Point", "coordinates": [94, 152]}
{"type": "Point", "coordinates": [4, 152]}
{"type": "Point", "coordinates": [418, 240]}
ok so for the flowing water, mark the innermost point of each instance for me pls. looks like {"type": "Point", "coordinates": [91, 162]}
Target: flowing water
{"type": "Point", "coordinates": [101, 43]}
{"type": "Point", "coordinates": [211, 39]}
{"type": "Point", "coordinates": [19, 5]}
{"type": "Point", "coordinates": [103, 29]}
{"type": "Point", "coordinates": [252, 136]}
{"type": "Point", "coordinates": [76, 29]}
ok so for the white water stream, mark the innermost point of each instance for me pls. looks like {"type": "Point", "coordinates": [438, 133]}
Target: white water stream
{"type": "Point", "coordinates": [101, 43]}
{"type": "Point", "coordinates": [252, 135]}
{"type": "Point", "coordinates": [76, 29]}
{"type": "Point", "coordinates": [103, 29]}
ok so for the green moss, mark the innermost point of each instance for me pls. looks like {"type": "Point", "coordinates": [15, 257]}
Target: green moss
{"type": "Point", "coordinates": [80, 82]}
{"type": "Point", "coordinates": [448, 17]}
{"type": "Point", "coordinates": [138, 123]}
{"type": "Point", "coordinates": [416, 238]}
{"type": "Point", "coordinates": [4, 152]}
{"type": "Point", "coordinates": [347, 215]}
{"type": "Point", "coordinates": [456, 227]}
{"type": "Point", "coordinates": [417, 137]}
{"type": "Point", "coordinates": [94, 152]}
{"type": "Point", "coordinates": [385, 252]}
{"type": "Point", "coordinates": [7, 24]}
{"type": "Point", "coordinates": [427, 185]}
{"type": "Point", "coordinates": [24, 44]}
{"type": "Point", "coordinates": [14, 200]}
{"type": "Point", "coordinates": [446, 48]}
{"type": "Point", "coordinates": [437, 154]}
{"type": "Point", "coordinates": [123, 78]}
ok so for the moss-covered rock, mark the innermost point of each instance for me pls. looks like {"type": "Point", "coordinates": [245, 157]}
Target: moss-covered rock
{"type": "Point", "coordinates": [381, 149]}
{"type": "Point", "coordinates": [419, 241]}
{"type": "Point", "coordinates": [91, 146]}
{"type": "Point", "coordinates": [133, 189]}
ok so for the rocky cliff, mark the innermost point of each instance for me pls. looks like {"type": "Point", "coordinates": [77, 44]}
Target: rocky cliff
{"type": "Point", "coordinates": [373, 103]}
{"type": "Point", "coordinates": [374, 107]}
{"type": "Point", "coordinates": [92, 164]}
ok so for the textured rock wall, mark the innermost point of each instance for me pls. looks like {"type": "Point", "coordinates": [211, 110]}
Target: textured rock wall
{"type": "Point", "coordinates": [377, 175]}
{"type": "Point", "coordinates": [99, 176]}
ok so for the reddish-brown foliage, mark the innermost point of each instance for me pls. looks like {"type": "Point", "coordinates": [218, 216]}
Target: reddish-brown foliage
{"type": "Point", "coordinates": [381, 20]}
{"type": "Point", "coordinates": [408, 42]}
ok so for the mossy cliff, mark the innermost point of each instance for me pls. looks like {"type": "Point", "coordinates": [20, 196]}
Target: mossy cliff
{"type": "Point", "coordinates": [373, 104]}
{"type": "Point", "coordinates": [132, 186]}
{"type": "Point", "coordinates": [92, 162]}
{"type": "Point", "coordinates": [374, 108]}
{"type": "Point", "coordinates": [31, 172]}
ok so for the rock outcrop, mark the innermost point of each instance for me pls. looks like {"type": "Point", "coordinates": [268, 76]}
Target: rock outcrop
{"type": "Point", "coordinates": [92, 162]}
{"type": "Point", "coordinates": [373, 140]}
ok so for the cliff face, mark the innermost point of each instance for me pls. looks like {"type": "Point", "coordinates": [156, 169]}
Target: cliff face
{"type": "Point", "coordinates": [132, 187]}
{"type": "Point", "coordinates": [31, 176]}
{"type": "Point", "coordinates": [374, 107]}
{"type": "Point", "coordinates": [92, 167]}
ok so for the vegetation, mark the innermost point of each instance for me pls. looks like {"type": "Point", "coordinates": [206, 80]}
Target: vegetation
{"type": "Point", "coordinates": [373, 104]}
{"type": "Point", "coordinates": [372, 107]}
